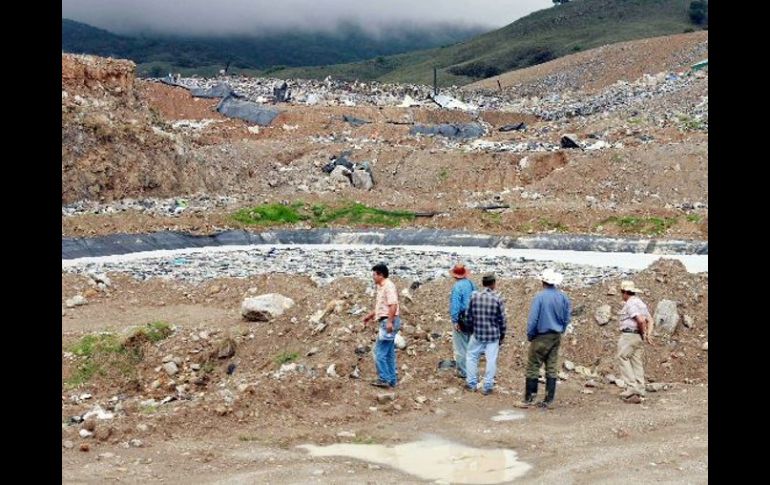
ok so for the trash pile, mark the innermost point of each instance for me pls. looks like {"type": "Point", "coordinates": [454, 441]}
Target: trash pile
{"type": "Point", "coordinates": [341, 168]}
{"type": "Point", "coordinates": [558, 105]}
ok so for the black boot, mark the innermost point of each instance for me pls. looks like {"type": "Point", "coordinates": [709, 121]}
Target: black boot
{"type": "Point", "coordinates": [550, 390]}
{"type": "Point", "coordinates": [530, 393]}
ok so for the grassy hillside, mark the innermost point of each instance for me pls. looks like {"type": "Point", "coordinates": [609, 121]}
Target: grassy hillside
{"type": "Point", "coordinates": [206, 55]}
{"type": "Point", "coordinates": [539, 37]}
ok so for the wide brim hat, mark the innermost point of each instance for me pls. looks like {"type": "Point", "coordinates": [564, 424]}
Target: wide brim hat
{"type": "Point", "coordinates": [459, 271]}
{"type": "Point", "coordinates": [551, 277]}
{"type": "Point", "coordinates": [630, 287]}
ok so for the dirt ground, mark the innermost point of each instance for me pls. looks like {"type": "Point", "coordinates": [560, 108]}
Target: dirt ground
{"type": "Point", "coordinates": [601, 441]}
{"type": "Point", "coordinates": [203, 435]}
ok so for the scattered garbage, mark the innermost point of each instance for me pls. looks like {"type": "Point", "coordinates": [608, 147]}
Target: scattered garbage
{"type": "Point", "coordinates": [354, 121]}
{"type": "Point", "coordinates": [221, 90]}
{"type": "Point", "coordinates": [342, 160]}
{"type": "Point", "coordinates": [514, 127]}
{"type": "Point", "coordinates": [569, 141]}
{"type": "Point", "coordinates": [456, 130]}
{"type": "Point", "coordinates": [282, 93]}
{"type": "Point", "coordinates": [358, 174]}
{"type": "Point", "coordinates": [448, 102]}
{"type": "Point", "coordinates": [247, 111]}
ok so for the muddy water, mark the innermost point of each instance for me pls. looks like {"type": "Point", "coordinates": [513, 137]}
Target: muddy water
{"type": "Point", "coordinates": [435, 459]}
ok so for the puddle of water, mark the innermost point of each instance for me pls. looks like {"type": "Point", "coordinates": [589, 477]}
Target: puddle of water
{"type": "Point", "coordinates": [507, 415]}
{"type": "Point", "coordinates": [434, 459]}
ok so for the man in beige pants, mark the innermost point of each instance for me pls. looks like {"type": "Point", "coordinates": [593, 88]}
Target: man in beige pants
{"type": "Point", "coordinates": [635, 328]}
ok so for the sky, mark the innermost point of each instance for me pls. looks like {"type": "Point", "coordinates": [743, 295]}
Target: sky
{"type": "Point", "coordinates": [223, 17]}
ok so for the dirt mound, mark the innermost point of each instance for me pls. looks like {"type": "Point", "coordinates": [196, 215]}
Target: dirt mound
{"type": "Point", "coordinates": [296, 369]}
{"type": "Point", "coordinates": [598, 68]}
{"type": "Point", "coordinates": [97, 73]}
{"type": "Point", "coordinates": [176, 103]}
{"type": "Point", "coordinates": [112, 144]}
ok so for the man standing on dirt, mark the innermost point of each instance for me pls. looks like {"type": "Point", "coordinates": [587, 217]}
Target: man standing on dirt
{"type": "Point", "coordinates": [635, 328]}
{"type": "Point", "coordinates": [549, 316]}
{"type": "Point", "coordinates": [486, 316]}
{"type": "Point", "coordinates": [458, 311]}
{"type": "Point", "coordinates": [386, 312]}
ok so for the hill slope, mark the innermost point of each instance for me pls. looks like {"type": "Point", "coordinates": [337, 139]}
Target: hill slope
{"type": "Point", "coordinates": [596, 69]}
{"type": "Point", "coordinates": [158, 55]}
{"type": "Point", "coordinates": [539, 37]}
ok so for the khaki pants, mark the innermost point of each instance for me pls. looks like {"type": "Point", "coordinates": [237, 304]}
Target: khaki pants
{"type": "Point", "coordinates": [544, 348]}
{"type": "Point", "coordinates": [630, 360]}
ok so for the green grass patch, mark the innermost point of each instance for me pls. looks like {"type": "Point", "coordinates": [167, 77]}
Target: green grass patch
{"type": "Point", "coordinates": [688, 123]}
{"type": "Point", "coordinates": [149, 409]}
{"type": "Point", "coordinates": [694, 218]}
{"type": "Point", "coordinates": [104, 355]}
{"type": "Point", "coordinates": [271, 214]}
{"type": "Point", "coordinates": [321, 215]}
{"type": "Point", "coordinates": [112, 356]}
{"type": "Point", "coordinates": [443, 175]}
{"type": "Point", "coordinates": [156, 331]}
{"type": "Point", "coordinates": [492, 217]}
{"type": "Point", "coordinates": [549, 225]}
{"type": "Point", "coordinates": [286, 357]}
{"type": "Point", "coordinates": [655, 226]}
{"type": "Point", "coordinates": [96, 343]}
{"type": "Point", "coordinates": [360, 214]}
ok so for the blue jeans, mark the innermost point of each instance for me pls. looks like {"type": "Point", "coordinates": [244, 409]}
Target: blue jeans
{"type": "Point", "coordinates": [460, 343]}
{"type": "Point", "coordinates": [475, 348]}
{"type": "Point", "coordinates": [385, 351]}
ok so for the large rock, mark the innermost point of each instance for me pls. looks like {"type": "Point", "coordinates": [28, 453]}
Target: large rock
{"type": "Point", "coordinates": [666, 317]}
{"type": "Point", "coordinates": [340, 174]}
{"type": "Point", "coordinates": [362, 180]}
{"type": "Point", "coordinates": [226, 349]}
{"type": "Point", "coordinates": [170, 368]}
{"type": "Point", "coordinates": [603, 314]}
{"type": "Point", "coordinates": [76, 300]}
{"type": "Point", "coordinates": [262, 308]}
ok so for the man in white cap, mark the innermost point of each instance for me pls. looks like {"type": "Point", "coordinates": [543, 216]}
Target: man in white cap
{"type": "Point", "coordinates": [549, 316]}
{"type": "Point", "coordinates": [635, 327]}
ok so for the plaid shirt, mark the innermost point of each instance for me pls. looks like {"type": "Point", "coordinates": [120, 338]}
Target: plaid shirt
{"type": "Point", "coordinates": [487, 315]}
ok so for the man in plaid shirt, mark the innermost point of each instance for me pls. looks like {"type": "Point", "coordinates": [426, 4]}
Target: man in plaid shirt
{"type": "Point", "coordinates": [486, 315]}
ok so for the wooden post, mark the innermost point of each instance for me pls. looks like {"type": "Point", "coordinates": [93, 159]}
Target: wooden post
{"type": "Point", "coordinates": [435, 82]}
